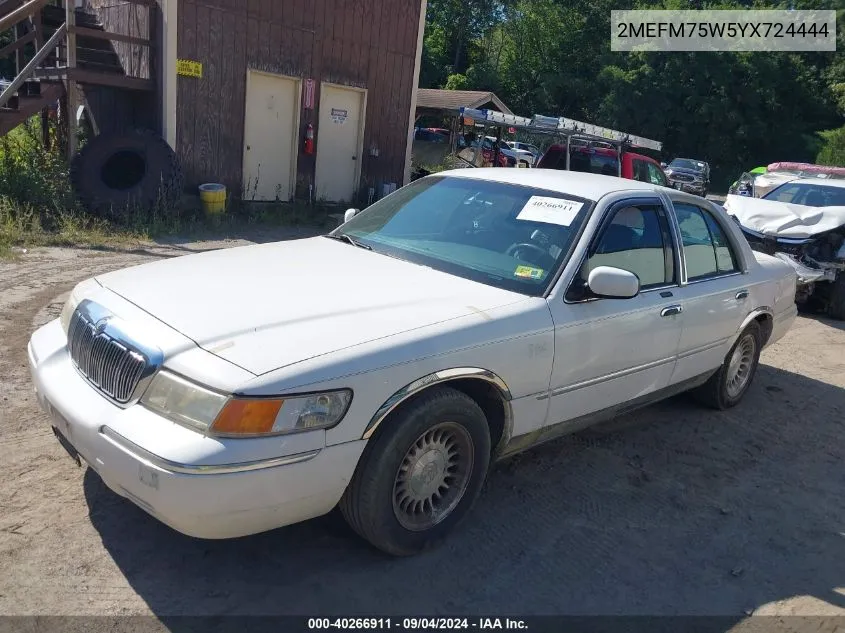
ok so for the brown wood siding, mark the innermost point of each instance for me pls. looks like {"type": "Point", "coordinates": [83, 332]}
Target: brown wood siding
{"type": "Point", "coordinates": [117, 110]}
{"type": "Point", "coordinates": [128, 18]}
{"type": "Point", "coordinates": [367, 44]}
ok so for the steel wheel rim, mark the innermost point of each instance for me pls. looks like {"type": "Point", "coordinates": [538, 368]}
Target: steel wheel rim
{"type": "Point", "coordinates": [433, 476]}
{"type": "Point", "coordinates": [739, 366]}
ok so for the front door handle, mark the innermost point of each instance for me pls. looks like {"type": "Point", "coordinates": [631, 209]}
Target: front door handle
{"type": "Point", "coordinates": [671, 311]}
{"type": "Point", "coordinates": [742, 294]}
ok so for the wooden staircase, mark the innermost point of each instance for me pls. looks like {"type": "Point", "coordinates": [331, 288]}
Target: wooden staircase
{"type": "Point", "coordinates": [57, 48]}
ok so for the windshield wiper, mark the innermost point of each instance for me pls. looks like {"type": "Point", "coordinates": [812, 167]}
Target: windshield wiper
{"type": "Point", "coordinates": [343, 237]}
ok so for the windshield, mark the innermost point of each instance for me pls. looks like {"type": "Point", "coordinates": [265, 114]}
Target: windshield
{"type": "Point", "coordinates": [502, 235]}
{"type": "Point", "coordinates": [685, 163]}
{"type": "Point", "coordinates": [809, 195]}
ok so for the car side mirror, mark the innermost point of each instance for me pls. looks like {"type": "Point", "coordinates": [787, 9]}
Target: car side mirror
{"type": "Point", "coordinates": [350, 213]}
{"type": "Point", "coordinates": [607, 282]}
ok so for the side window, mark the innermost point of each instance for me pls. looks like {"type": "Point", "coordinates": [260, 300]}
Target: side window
{"type": "Point", "coordinates": [637, 239]}
{"type": "Point", "coordinates": [726, 261]}
{"type": "Point", "coordinates": [707, 251]}
{"type": "Point", "coordinates": [640, 170]}
{"type": "Point", "coordinates": [655, 176]}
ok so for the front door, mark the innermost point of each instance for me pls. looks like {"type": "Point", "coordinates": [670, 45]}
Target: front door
{"type": "Point", "coordinates": [339, 143]}
{"type": "Point", "coordinates": [272, 113]}
{"type": "Point", "coordinates": [612, 351]}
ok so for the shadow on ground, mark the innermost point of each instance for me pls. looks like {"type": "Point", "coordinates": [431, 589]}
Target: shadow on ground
{"type": "Point", "coordinates": [678, 510]}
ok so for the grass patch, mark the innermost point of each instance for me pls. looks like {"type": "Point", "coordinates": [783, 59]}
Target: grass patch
{"type": "Point", "coordinates": [38, 206]}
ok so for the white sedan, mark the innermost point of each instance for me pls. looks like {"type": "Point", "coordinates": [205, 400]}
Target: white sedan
{"type": "Point", "coordinates": [383, 367]}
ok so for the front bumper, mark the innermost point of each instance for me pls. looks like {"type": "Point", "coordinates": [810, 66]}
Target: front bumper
{"type": "Point", "coordinates": [698, 189]}
{"type": "Point", "coordinates": [201, 486]}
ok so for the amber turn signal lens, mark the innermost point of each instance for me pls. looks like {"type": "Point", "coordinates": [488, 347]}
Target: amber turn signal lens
{"type": "Point", "coordinates": [247, 417]}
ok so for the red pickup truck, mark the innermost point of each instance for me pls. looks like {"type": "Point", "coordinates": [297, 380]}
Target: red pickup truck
{"type": "Point", "coordinates": [604, 160]}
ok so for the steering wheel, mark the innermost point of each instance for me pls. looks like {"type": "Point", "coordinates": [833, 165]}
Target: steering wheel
{"type": "Point", "coordinates": [513, 250]}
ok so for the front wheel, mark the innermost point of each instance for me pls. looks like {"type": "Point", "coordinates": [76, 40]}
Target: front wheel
{"type": "Point", "coordinates": [727, 387]}
{"type": "Point", "coordinates": [421, 474]}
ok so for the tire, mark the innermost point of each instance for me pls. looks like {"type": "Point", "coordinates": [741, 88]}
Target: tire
{"type": "Point", "coordinates": [381, 503]}
{"type": "Point", "coordinates": [836, 306]}
{"type": "Point", "coordinates": [719, 392]}
{"type": "Point", "coordinates": [116, 175]}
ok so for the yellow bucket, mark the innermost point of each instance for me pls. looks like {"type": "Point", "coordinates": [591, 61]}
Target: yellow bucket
{"type": "Point", "coordinates": [213, 197]}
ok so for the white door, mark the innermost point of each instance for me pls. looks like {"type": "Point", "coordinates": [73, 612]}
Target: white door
{"type": "Point", "coordinates": [714, 298]}
{"type": "Point", "coordinates": [612, 351]}
{"type": "Point", "coordinates": [272, 115]}
{"type": "Point", "coordinates": [339, 143]}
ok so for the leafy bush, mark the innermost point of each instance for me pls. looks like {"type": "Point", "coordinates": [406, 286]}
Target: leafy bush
{"type": "Point", "coordinates": [833, 149]}
{"type": "Point", "coordinates": [33, 177]}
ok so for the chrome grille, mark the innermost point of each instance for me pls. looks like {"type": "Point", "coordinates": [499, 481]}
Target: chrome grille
{"type": "Point", "coordinates": [682, 177]}
{"type": "Point", "coordinates": [109, 365]}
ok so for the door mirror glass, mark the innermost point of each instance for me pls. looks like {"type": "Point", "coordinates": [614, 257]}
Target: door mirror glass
{"type": "Point", "coordinates": [608, 282]}
{"type": "Point", "coordinates": [350, 213]}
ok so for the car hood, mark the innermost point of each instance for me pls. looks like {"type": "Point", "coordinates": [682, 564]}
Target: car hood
{"type": "Point", "coordinates": [781, 219]}
{"type": "Point", "coordinates": [268, 306]}
{"type": "Point", "coordinates": [687, 172]}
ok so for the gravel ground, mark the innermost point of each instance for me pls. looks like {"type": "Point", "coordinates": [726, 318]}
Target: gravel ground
{"type": "Point", "coordinates": [674, 510]}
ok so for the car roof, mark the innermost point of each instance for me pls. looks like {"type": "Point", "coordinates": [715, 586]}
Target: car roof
{"type": "Point", "coordinates": [575, 183]}
{"type": "Point", "coordinates": [825, 182]}
{"type": "Point", "coordinates": [604, 151]}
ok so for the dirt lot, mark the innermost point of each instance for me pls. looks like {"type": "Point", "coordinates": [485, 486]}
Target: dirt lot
{"type": "Point", "coordinates": [678, 510]}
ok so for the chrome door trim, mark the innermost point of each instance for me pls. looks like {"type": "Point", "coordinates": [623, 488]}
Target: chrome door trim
{"type": "Point", "coordinates": [559, 391]}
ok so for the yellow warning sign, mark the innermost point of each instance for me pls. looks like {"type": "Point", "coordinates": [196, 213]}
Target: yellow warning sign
{"type": "Point", "coordinates": [188, 68]}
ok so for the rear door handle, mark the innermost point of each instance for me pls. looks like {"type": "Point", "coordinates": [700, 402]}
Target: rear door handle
{"type": "Point", "coordinates": [742, 294]}
{"type": "Point", "coordinates": [671, 311]}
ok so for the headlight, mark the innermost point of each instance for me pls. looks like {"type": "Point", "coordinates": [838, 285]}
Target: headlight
{"type": "Point", "coordinates": [73, 301]}
{"type": "Point", "coordinates": [271, 416]}
{"type": "Point", "coordinates": [183, 401]}
{"type": "Point", "coordinates": [214, 413]}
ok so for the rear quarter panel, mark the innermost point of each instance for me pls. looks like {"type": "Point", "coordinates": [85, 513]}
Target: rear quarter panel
{"type": "Point", "coordinates": [771, 284]}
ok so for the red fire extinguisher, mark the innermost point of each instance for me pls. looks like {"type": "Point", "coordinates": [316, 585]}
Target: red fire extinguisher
{"type": "Point", "coordinates": [309, 139]}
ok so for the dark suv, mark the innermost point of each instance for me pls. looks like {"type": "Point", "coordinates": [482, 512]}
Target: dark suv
{"type": "Point", "coordinates": [690, 175]}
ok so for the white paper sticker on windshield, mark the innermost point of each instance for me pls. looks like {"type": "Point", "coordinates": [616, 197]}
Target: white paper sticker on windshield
{"type": "Point", "coordinates": [550, 210]}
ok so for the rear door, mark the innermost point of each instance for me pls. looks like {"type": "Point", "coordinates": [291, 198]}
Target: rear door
{"type": "Point", "coordinates": [714, 300]}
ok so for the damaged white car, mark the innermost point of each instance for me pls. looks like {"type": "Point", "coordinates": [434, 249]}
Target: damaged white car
{"type": "Point", "coordinates": [801, 222]}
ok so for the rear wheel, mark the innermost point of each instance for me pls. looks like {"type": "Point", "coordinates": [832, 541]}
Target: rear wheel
{"type": "Point", "coordinates": [421, 474]}
{"type": "Point", "coordinates": [727, 387]}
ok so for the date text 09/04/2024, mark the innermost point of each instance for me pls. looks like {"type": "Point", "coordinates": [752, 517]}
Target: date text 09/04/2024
{"type": "Point", "coordinates": [415, 624]}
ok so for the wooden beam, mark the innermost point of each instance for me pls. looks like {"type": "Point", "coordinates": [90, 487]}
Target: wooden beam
{"type": "Point", "coordinates": [21, 13]}
{"type": "Point", "coordinates": [107, 35]}
{"type": "Point", "coordinates": [57, 73]}
{"type": "Point", "coordinates": [110, 79]}
{"type": "Point", "coordinates": [70, 88]}
{"type": "Point", "coordinates": [7, 6]}
{"type": "Point", "coordinates": [39, 30]}
{"type": "Point", "coordinates": [27, 72]}
{"type": "Point", "coordinates": [19, 43]}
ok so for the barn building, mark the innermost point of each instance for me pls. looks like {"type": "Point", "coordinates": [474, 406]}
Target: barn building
{"type": "Point", "coordinates": [277, 99]}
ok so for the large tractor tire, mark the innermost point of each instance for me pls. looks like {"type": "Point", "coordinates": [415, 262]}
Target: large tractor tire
{"type": "Point", "coordinates": [117, 175]}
